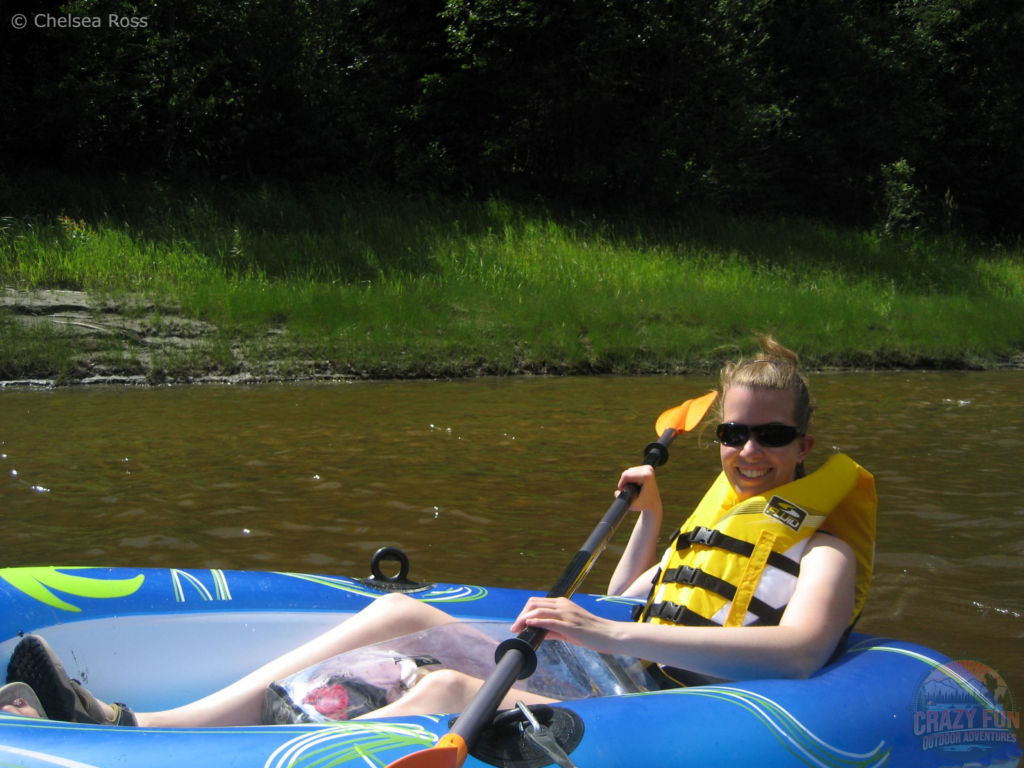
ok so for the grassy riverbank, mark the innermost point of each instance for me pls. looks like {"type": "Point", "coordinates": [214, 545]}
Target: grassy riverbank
{"type": "Point", "coordinates": [320, 281]}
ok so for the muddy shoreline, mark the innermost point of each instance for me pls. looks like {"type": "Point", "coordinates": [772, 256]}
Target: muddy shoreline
{"type": "Point", "coordinates": [134, 341]}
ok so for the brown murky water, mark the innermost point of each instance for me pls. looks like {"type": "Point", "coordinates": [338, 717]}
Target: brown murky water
{"type": "Point", "coordinates": [500, 481]}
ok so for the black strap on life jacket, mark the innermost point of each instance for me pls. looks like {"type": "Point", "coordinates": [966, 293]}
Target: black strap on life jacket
{"type": "Point", "coordinates": [695, 577]}
{"type": "Point", "coordinates": [679, 614]}
{"type": "Point", "coordinates": [712, 538]}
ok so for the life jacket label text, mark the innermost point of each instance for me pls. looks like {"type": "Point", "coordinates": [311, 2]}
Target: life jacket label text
{"type": "Point", "coordinates": [785, 512]}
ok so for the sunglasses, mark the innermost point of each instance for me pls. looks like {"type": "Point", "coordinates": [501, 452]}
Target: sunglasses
{"type": "Point", "coordinates": [735, 435]}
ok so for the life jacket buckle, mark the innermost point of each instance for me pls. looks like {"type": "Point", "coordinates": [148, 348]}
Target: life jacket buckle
{"type": "Point", "coordinates": [701, 535]}
{"type": "Point", "coordinates": [668, 611]}
{"type": "Point", "coordinates": [684, 574]}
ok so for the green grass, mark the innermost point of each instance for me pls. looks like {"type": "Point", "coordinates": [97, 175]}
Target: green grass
{"type": "Point", "coordinates": [376, 283]}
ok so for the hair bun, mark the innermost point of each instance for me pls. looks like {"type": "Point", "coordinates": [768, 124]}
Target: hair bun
{"type": "Point", "coordinates": [777, 368]}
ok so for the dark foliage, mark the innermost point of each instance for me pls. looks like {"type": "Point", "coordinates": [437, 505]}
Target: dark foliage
{"type": "Point", "coordinates": [871, 112]}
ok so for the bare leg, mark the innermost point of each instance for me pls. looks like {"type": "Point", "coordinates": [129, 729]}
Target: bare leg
{"type": "Point", "coordinates": [241, 703]}
{"type": "Point", "coordinates": [447, 691]}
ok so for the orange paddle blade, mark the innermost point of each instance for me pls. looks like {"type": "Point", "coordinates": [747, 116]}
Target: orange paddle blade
{"type": "Point", "coordinates": [685, 417]}
{"type": "Point", "coordinates": [449, 752]}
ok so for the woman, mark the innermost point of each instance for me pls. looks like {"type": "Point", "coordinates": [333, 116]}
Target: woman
{"type": "Point", "coordinates": [745, 557]}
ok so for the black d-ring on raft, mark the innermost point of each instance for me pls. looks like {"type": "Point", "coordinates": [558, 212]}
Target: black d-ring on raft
{"type": "Point", "coordinates": [389, 553]}
{"type": "Point", "coordinates": [397, 583]}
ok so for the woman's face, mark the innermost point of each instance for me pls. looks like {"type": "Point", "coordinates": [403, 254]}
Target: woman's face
{"type": "Point", "coordinates": [751, 468]}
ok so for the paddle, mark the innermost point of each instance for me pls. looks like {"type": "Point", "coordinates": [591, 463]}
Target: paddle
{"type": "Point", "coordinates": [517, 657]}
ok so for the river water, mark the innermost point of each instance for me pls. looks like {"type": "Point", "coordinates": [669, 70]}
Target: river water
{"type": "Point", "coordinates": [499, 481]}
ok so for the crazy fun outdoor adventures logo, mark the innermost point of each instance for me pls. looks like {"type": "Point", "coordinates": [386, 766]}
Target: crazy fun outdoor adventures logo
{"type": "Point", "coordinates": [964, 710]}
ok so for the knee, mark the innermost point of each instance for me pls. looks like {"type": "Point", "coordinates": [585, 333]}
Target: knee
{"type": "Point", "coordinates": [395, 606]}
{"type": "Point", "coordinates": [395, 614]}
{"type": "Point", "coordinates": [445, 678]}
{"type": "Point", "coordinates": [392, 607]}
{"type": "Point", "coordinates": [447, 682]}
{"type": "Point", "coordinates": [396, 603]}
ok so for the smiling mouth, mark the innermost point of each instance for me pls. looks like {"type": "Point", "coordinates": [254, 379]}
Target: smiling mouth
{"type": "Point", "coordinates": [753, 474]}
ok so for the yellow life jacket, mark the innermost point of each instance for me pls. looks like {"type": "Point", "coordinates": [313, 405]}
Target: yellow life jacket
{"type": "Point", "coordinates": [737, 564]}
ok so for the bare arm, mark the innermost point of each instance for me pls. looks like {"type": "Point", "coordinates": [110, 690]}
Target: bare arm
{"type": "Point", "coordinates": [817, 616]}
{"type": "Point", "coordinates": [641, 587]}
{"type": "Point", "coordinates": [632, 576]}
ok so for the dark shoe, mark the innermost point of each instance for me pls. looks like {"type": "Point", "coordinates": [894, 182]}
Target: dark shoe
{"type": "Point", "coordinates": [279, 709]}
{"type": "Point", "coordinates": [21, 695]}
{"type": "Point", "coordinates": [34, 662]}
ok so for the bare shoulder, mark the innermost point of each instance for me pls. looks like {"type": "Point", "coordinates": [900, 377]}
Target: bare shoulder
{"type": "Point", "coordinates": [826, 545]}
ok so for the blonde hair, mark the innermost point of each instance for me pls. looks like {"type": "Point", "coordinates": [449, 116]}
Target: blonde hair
{"type": "Point", "coordinates": [777, 368]}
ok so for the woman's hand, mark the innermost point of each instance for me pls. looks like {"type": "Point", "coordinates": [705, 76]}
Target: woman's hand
{"type": "Point", "coordinates": [649, 498]}
{"type": "Point", "coordinates": [564, 620]}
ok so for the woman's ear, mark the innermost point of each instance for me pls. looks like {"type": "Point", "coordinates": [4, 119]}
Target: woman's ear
{"type": "Point", "coordinates": [806, 444]}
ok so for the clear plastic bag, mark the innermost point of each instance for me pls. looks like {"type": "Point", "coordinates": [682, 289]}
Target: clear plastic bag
{"type": "Point", "coordinates": [363, 680]}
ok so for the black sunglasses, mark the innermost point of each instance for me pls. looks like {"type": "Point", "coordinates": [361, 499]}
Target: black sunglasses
{"type": "Point", "coordinates": [735, 435]}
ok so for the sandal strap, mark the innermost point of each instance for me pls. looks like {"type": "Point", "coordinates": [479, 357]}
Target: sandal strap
{"type": "Point", "coordinates": [89, 710]}
{"type": "Point", "coordinates": [123, 715]}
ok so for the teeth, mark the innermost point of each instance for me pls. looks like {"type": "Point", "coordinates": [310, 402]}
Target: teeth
{"type": "Point", "coordinates": [753, 473]}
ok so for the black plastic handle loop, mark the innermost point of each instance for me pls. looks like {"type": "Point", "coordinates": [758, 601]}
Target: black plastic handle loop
{"type": "Point", "coordinates": [389, 554]}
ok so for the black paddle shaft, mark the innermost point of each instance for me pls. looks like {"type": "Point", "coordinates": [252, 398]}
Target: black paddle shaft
{"type": "Point", "coordinates": [517, 656]}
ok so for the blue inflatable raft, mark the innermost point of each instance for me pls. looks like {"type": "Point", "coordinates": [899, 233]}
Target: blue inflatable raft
{"type": "Point", "coordinates": [161, 638]}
